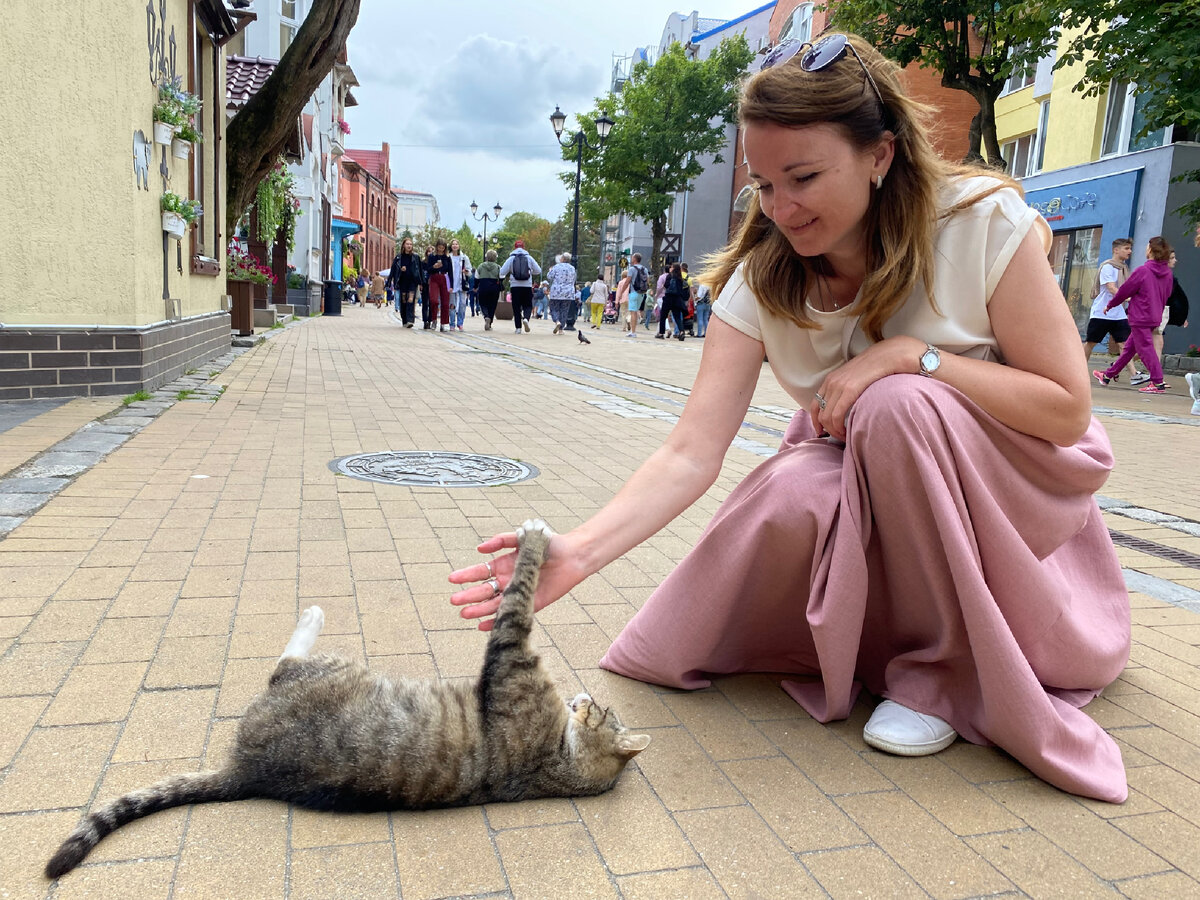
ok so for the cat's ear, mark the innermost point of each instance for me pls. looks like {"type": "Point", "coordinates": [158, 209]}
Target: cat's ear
{"type": "Point", "coordinates": [630, 745]}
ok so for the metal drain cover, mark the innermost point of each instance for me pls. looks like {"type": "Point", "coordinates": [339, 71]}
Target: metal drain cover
{"type": "Point", "coordinates": [428, 468]}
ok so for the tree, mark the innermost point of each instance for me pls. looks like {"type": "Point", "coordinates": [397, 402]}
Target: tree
{"type": "Point", "coordinates": [667, 116]}
{"type": "Point", "coordinates": [526, 226]}
{"type": "Point", "coordinates": [259, 132]}
{"type": "Point", "coordinates": [468, 244]}
{"type": "Point", "coordinates": [426, 236]}
{"type": "Point", "coordinates": [975, 44]}
{"type": "Point", "coordinates": [1155, 45]}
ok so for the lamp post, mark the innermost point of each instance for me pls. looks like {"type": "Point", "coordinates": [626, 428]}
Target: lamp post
{"type": "Point", "coordinates": [603, 125]}
{"type": "Point", "coordinates": [486, 218]}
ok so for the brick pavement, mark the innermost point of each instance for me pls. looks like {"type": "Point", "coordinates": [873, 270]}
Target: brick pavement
{"type": "Point", "coordinates": [144, 605]}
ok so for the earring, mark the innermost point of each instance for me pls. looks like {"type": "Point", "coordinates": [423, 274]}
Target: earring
{"type": "Point", "coordinates": [878, 182]}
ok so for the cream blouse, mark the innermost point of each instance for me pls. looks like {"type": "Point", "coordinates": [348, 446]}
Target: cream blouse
{"type": "Point", "coordinates": [973, 247]}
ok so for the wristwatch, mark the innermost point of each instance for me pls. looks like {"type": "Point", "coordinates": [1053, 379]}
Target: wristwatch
{"type": "Point", "coordinates": [930, 360]}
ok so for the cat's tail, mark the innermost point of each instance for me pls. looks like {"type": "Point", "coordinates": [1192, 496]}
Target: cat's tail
{"type": "Point", "coordinates": [179, 790]}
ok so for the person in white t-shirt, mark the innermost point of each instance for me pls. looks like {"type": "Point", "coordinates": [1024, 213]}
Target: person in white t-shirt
{"type": "Point", "coordinates": [1114, 323]}
{"type": "Point", "coordinates": [928, 529]}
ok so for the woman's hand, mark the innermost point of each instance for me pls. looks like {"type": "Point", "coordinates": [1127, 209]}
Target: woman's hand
{"type": "Point", "coordinates": [844, 385]}
{"type": "Point", "coordinates": [560, 572]}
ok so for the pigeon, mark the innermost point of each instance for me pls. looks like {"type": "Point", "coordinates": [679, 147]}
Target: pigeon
{"type": "Point", "coordinates": [582, 339]}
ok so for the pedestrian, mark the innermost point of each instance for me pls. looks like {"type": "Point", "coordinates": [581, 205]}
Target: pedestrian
{"type": "Point", "coordinates": [598, 297]}
{"type": "Point", "coordinates": [660, 288]}
{"type": "Point", "coordinates": [487, 284]}
{"type": "Point", "coordinates": [928, 529]}
{"type": "Point", "coordinates": [541, 305]}
{"type": "Point", "coordinates": [674, 301]}
{"type": "Point", "coordinates": [377, 289]}
{"type": "Point", "coordinates": [427, 268]}
{"type": "Point", "coordinates": [1175, 313]}
{"type": "Point", "coordinates": [1147, 290]}
{"type": "Point", "coordinates": [437, 275]}
{"type": "Point", "coordinates": [362, 285]}
{"type": "Point", "coordinates": [703, 308]}
{"type": "Point", "coordinates": [578, 303]}
{"type": "Point", "coordinates": [562, 291]}
{"type": "Point", "coordinates": [520, 269]}
{"type": "Point", "coordinates": [459, 278]}
{"type": "Point", "coordinates": [1113, 324]}
{"type": "Point", "coordinates": [406, 276]}
{"type": "Point", "coordinates": [635, 284]}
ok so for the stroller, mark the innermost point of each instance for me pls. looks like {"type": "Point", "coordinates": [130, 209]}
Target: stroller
{"type": "Point", "coordinates": [609, 315]}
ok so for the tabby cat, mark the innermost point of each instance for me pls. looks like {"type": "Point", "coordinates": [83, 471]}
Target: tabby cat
{"type": "Point", "coordinates": [330, 734]}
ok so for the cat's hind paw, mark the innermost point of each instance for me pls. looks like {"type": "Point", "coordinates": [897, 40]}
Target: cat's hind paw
{"type": "Point", "coordinates": [534, 525]}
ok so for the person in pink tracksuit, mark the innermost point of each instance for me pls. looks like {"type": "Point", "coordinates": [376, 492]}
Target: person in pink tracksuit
{"type": "Point", "coordinates": [1147, 290]}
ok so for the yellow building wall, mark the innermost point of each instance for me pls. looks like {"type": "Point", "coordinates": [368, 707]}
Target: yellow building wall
{"type": "Point", "coordinates": [82, 243]}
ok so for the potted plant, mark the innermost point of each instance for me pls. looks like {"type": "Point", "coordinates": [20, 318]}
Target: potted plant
{"type": "Point", "coordinates": [244, 266]}
{"type": "Point", "coordinates": [178, 213]}
{"type": "Point", "coordinates": [181, 146]}
{"type": "Point", "coordinates": [242, 272]}
{"type": "Point", "coordinates": [174, 109]}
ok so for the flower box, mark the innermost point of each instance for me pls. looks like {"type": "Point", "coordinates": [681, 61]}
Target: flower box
{"type": "Point", "coordinates": [181, 149]}
{"type": "Point", "coordinates": [164, 132]}
{"type": "Point", "coordinates": [174, 224]}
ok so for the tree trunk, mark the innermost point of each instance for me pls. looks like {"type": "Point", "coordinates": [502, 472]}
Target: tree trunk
{"type": "Point", "coordinates": [975, 140]}
{"type": "Point", "coordinates": [260, 130]}
{"type": "Point", "coordinates": [987, 112]}
{"type": "Point", "coordinates": [658, 233]}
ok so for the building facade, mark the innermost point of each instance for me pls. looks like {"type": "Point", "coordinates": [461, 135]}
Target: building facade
{"type": "Point", "coordinates": [98, 298]}
{"type": "Point", "coordinates": [366, 177]}
{"type": "Point", "coordinates": [1087, 169]}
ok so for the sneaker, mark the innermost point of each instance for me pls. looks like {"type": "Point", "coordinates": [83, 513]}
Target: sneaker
{"type": "Point", "coordinates": [630, 334]}
{"type": "Point", "coordinates": [1101, 377]}
{"type": "Point", "coordinates": [557, 328]}
{"type": "Point", "coordinates": [443, 328]}
{"type": "Point", "coordinates": [897, 729]}
{"type": "Point", "coordinates": [525, 325]}
{"type": "Point", "coordinates": [679, 337]}
{"type": "Point", "coordinates": [1138, 378]}
{"type": "Point", "coordinates": [1160, 388]}
{"type": "Point", "coordinates": [1193, 385]}
{"type": "Point", "coordinates": [659, 336]}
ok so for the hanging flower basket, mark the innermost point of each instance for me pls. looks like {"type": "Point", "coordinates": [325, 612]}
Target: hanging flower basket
{"type": "Point", "coordinates": [164, 132]}
{"type": "Point", "coordinates": [181, 149]}
{"type": "Point", "coordinates": [174, 225]}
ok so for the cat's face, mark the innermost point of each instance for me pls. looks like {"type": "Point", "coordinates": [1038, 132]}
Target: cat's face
{"type": "Point", "coordinates": [600, 745]}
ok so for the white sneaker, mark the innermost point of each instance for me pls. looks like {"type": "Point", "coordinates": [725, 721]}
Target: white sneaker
{"type": "Point", "coordinates": [1196, 408]}
{"type": "Point", "coordinates": [1139, 378]}
{"type": "Point", "coordinates": [525, 325]}
{"type": "Point", "coordinates": [897, 729]}
{"type": "Point", "coordinates": [630, 334]}
{"type": "Point", "coordinates": [1193, 383]}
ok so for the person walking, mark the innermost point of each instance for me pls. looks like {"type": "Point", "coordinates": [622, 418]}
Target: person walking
{"type": "Point", "coordinates": [520, 269]}
{"type": "Point", "coordinates": [487, 284]}
{"type": "Point", "coordinates": [406, 276]}
{"type": "Point", "coordinates": [378, 285]}
{"type": "Point", "coordinates": [674, 302]}
{"type": "Point", "coordinates": [928, 529]}
{"type": "Point", "coordinates": [1147, 290]}
{"type": "Point", "coordinates": [541, 306]}
{"type": "Point", "coordinates": [459, 278]}
{"type": "Point", "coordinates": [1113, 324]}
{"type": "Point", "coordinates": [598, 297]}
{"type": "Point", "coordinates": [703, 308]}
{"type": "Point", "coordinates": [437, 274]}
{"type": "Point", "coordinates": [635, 283]}
{"type": "Point", "coordinates": [562, 291]}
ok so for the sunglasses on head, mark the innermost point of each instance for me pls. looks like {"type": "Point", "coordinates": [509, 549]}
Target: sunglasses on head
{"type": "Point", "coordinates": [818, 56]}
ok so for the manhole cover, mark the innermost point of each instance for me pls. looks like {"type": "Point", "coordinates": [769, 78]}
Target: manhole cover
{"type": "Point", "coordinates": [427, 468]}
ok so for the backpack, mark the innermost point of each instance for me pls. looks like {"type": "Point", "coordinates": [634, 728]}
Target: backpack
{"type": "Point", "coordinates": [641, 280]}
{"type": "Point", "coordinates": [519, 271]}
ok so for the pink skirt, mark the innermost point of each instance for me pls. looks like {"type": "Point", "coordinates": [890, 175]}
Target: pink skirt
{"type": "Point", "coordinates": [941, 559]}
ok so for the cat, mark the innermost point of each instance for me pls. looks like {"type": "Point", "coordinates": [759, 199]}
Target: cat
{"type": "Point", "coordinates": [330, 734]}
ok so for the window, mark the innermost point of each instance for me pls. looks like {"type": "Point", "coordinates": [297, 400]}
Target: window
{"type": "Point", "coordinates": [1125, 117]}
{"type": "Point", "coordinates": [286, 34]}
{"type": "Point", "coordinates": [1022, 75]}
{"type": "Point", "coordinates": [799, 26]}
{"type": "Point", "coordinates": [1043, 124]}
{"type": "Point", "coordinates": [1075, 257]}
{"type": "Point", "coordinates": [1025, 154]}
{"type": "Point", "coordinates": [288, 9]}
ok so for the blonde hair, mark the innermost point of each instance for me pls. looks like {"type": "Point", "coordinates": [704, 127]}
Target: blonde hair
{"type": "Point", "coordinates": [902, 217]}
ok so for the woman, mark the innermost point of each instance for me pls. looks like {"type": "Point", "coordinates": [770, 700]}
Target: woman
{"type": "Point", "coordinates": [437, 275]}
{"type": "Point", "coordinates": [598, 298]}
{"type": "Point", "coordinates": [928, 528]}
{"type": "Point", "coordinates": [674, 302]}
{"type": "Point", "coordinates": [406, 277]}
{"type": "Point", "coordinates": [703, 309]}
{"type": "Point", "coordinates": [1147, 289]}
{"type": "Point", "coordinates": [459, 282]}
{"type": "Point", "coordinates": [487, 283]}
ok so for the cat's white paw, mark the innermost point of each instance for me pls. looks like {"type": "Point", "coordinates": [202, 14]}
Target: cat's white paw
{"type": "Point", "coordinates": [579, 699]}
{"type": "Point", "coordinates": [534, 525]}
{"type": "Point", "coordinates": [312, 618]}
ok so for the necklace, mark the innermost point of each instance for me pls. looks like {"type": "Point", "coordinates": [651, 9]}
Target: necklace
{"type": "Point", "coordinates": [826, 299]}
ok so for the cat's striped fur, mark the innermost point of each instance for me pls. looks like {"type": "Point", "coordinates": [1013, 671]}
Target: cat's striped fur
{"type": "Point", "coordinates": [330, 734]}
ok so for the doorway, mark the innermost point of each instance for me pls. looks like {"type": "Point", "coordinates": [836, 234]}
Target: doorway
{"type": "Point", "coordinates": [1075, 258]}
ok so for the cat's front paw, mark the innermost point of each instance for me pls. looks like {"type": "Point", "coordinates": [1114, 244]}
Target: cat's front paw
{"type": "Point", "coordinates": [535, 534]}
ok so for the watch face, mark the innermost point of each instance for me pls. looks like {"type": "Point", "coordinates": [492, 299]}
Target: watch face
{"type": "Point", "coordinates": [930, 360]}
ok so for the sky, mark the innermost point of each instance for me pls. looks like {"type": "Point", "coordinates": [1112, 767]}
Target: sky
{"type": "Point", "coordinates": [463, 93]}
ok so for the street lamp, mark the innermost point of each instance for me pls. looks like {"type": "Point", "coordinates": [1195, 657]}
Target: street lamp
{"type": "Point", "coordinates": [603, 125]}
{"type": "Point", "coordinates": [486, 218]}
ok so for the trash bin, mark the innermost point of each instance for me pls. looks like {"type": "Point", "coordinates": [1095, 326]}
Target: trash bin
{"type": "Point", "coordinates": [333, 298]}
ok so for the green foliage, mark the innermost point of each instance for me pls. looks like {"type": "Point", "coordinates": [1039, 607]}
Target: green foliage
{"type": "Point", "coordinates": [974, 44]}
{"type": "Point", "coordinates": [426, 236]}
{"type": "Point", "coordinates": [1156, 45]}
{"type": "Point", "coordinates": [136, 397]}
{"type": "Point", "coordinates": [276, 205]}
{"type": "Point", "coordinates": [184, 394]}
{"type": "Point", "coordinates": [189, 210]}
{"type": "Point", "coordinates": [189, 133]}
{"type": "Point", "coordinates": [468, 244]}
{"type": "Point", "coordinates": [667, 116]}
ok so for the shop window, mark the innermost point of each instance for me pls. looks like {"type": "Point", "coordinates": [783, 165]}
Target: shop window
{"type": "Point", "coordinates": [1075, 258]}
{"type": "Point", "coordinates": [799, 26]}
{"type": "Point", "coordinates": [1124, 119]}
